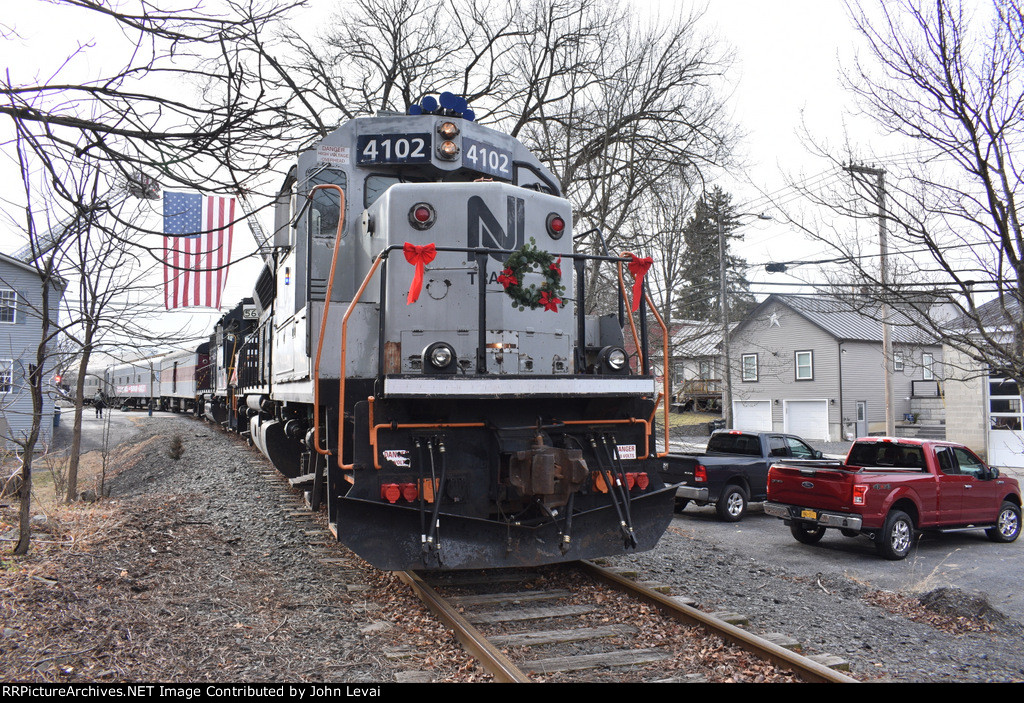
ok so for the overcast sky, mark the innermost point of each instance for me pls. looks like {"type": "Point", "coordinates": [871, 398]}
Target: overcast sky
{"type": "Point", "coordinates": [786, 71]}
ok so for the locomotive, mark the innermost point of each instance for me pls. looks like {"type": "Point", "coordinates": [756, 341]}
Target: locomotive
{"type": "Point", "coordinates": [418, 356]}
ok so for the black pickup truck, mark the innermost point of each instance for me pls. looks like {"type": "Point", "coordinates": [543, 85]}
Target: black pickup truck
{"type": "Point", "coordinates": [733, 471]}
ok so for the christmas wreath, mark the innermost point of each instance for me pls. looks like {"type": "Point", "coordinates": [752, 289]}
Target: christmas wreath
{"type": "Point", "coordinates": [530, 259]}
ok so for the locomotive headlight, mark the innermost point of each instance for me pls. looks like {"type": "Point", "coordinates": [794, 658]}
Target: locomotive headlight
{"type": "Point", "coordinates": [439, 357]}
{"type": "Point", "coordinates": [422, 216]}
{"type": "Point", "coordinates": [613, 360]}
{"type": "Point", "coordinates": [617, 359]}
{"type": "Point", "coordinates": [448, 150]}
{"type": "Point", "coordinates": [448, 130]}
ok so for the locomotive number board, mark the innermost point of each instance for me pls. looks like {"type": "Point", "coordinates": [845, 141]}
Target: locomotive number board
{"type": "Point", "coordinates": [487, 158]}
{"type": "Point", "coordinates": [393, 149]}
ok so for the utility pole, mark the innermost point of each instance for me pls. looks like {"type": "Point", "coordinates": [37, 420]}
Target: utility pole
{"type": "Point", "coordinates": [879, 174]}
{"type": "Point", "coordinates": [727, 399]}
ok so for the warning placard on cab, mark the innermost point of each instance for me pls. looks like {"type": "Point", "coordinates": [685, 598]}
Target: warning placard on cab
{"type": "Point", "coordinates": [625, 451]}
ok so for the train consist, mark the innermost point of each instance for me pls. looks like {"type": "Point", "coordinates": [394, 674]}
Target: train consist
{"type": "Point", "coordinates": [418, 355]}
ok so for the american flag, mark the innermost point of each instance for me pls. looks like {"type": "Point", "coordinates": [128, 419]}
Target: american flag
{"type": "Point", "coordinates": [197, 248]}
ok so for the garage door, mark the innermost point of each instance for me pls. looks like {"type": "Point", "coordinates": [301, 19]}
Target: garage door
{"type": "Point", "coordinates": [752, 415]}
{"type": "Point", "coordinates": [806, 418]}
{"type": "Point", "coordinates": [1006, 448]}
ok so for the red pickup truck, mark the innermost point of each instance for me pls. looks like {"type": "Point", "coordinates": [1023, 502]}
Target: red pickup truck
{"type": "Point", "coordinates": [892, 488]}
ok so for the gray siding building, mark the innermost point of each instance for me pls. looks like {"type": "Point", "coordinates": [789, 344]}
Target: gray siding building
{"type": "Point", "coordinates": [986, 411]}
{"type": "Point", "coordinates": [814, 367]}
{"type": "Point", "coordinates": [21, 300]}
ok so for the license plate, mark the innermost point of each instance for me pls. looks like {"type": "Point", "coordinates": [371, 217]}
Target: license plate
{"type": "Point", "coordinates": [809, 514]}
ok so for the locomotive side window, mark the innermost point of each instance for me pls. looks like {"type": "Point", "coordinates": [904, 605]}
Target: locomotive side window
{"type": "Point", "coordinates": [323, 214]}
{"type": "Point", "coordinates": [377, 183]}
{"type": "Point", "coordinates": [375, 186]}
{"type": "Point", "coordinates": [284, 211]}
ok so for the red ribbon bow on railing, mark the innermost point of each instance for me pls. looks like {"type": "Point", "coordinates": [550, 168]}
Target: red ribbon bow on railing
{"type": "Point", "coordinates": [639, 268]}
{"type": "Point", "coordinates": [418, 256]}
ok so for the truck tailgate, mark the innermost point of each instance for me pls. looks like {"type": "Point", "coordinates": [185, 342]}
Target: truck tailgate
{"type": "Point", "coordinates": [678, 468]}
{"type": "Point", "coordinates": [822, 487]}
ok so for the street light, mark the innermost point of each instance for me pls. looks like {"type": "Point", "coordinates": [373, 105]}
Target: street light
{"type": "Point", "coordinates": [723, 299]}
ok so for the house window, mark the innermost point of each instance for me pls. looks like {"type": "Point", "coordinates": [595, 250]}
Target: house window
{"type": "Point", "coordinates": [749, 367]}
{"type": "Point", "coordinates": [804, 366]}
{"type": "Point", "coordinates": [8, 305]}
{"type": "Point", "coordinates": [6, 376]}
{"type": "Point", "coordinates": [897, 361]}
{"type": "Point", "coordinates": [705, 369]}
{"type": "Point", "coordinates": [926, 365]}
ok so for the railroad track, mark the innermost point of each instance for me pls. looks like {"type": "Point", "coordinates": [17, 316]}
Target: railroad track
{"type": "Point", "coordinates": [589, 623]}
{"type": "Point", "coordinates": [524, 612]}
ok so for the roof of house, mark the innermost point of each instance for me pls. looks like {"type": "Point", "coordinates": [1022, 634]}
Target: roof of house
{"type": "Point", "coordinates": [689, 338]}
{"type": "Point", "coordinates": [991, 314]}
{"type": "Point", "coordinates": [847, 320]}
{"type": "Point", "coordinates": [55, 281]}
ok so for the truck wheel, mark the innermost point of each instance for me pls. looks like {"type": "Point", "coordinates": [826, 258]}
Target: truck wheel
{"type": "Point", "coordinates": [897, 536]}
{"type": "Point", "coordinates": [807, 534]}
{"type": "Point", "coordinates": [1007, 527]}
{"type": "Point", "coordinates": [732, 504]}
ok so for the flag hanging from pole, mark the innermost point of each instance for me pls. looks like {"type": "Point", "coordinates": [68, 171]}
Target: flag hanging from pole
{"type": "Point", "coordinates": [197, 248]}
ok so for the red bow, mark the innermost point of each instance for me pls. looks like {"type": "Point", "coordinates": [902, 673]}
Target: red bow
{"type": "Point", "coordinates": [418, 256]}
{"type": "Point", "coordinates": [639, 268]}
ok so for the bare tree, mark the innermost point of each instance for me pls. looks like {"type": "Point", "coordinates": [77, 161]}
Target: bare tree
{"type": "Point", "coordinates": [612, 104]}
{"type": "Point", "coordinates": [947, 78]}
{"type": "Point", "coordinates": [181, 104]}
{"type": "Point", "coordinates": [619, 107]}
{"type": "Point", "coordinates": [44, 315]}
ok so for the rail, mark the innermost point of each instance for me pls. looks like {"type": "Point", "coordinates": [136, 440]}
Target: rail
{"type": "Point", "coordinates": [498, 664]}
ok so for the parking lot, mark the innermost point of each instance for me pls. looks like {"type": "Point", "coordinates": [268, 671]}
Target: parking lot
{"type": "Point", "coordinates": [965, 560]}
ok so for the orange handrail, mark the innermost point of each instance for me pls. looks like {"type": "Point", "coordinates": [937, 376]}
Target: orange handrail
{"type": "Point", "coordinates": [664, 370]}
{"type": "Point", "coordinates": [374, 428]}
{"type": "Point", "coordinates": [323, 321]}
{"type": "Point", "coordinates": [628, 421]}
{"type": "Point", "coordinates": [341, 374]}
{"type": "Point", "coordinates": [664, 342]}
{"type": "Point", "coordinates": [408, 426]}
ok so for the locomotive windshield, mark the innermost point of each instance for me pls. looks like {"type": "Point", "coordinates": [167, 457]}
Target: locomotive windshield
{"type": "Point", "coordinates": [324, 210]}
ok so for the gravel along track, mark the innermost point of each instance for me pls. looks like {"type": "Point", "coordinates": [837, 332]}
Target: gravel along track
{"type": "Point", "coordinates": [884, 636]}
{"type": "Point", "coordinates": [208, 568]}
